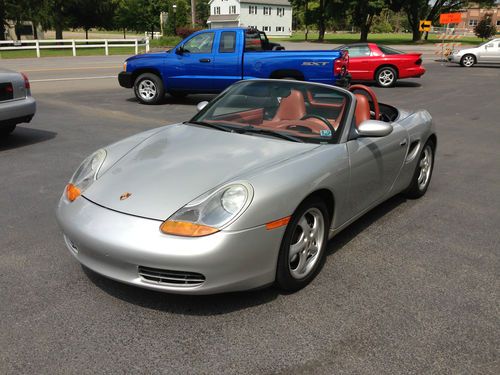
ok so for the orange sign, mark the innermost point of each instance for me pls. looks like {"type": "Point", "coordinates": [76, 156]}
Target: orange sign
{"type": "Point", "coordinates": [450, 18]}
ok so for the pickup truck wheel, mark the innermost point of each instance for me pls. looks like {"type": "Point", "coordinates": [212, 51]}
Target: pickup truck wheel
{"type": "Point", "coordinates": [6, 130]}
{"type": "Point", "coordinates": [386, 77]}
{"type": "Point", "coordinates": [148, 88]}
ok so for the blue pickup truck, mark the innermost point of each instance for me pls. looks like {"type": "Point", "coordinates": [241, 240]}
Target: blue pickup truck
{"type": "Point", "coordinates": [208, 61]}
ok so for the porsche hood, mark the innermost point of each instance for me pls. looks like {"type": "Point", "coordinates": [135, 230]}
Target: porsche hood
{"type": "Point", "coordinates": [180, 163]}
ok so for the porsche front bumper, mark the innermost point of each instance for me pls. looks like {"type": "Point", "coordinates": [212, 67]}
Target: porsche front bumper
{"type": "Point", "coordinates": [133, 250]}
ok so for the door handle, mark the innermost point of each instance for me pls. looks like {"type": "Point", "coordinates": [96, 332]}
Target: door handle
{"type": "Point", "coordinates": [403, 142]}
{"type": "Point", "coordinates": [205, 60]}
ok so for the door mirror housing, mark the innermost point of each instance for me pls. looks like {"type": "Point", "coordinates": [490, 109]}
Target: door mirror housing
{"type": "Point", "coordinates": [373, 128]}
{"type": "Point", "coordinates": [179, 50]}
{"type": "Point", "coordinates": [201, 105]}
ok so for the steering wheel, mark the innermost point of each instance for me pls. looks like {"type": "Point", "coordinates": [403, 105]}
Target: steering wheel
{"type": "Point", "coordinates": [321, 118]}
{"type": "Point", "coordinates": [372, 96]}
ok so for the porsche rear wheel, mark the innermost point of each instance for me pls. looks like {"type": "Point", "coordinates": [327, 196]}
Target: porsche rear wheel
{"type": "Point", "coordinates": [423, 173]}
{"type": "Point", "coordinates": [303, 247]}
{"type": "Point", "coordinates": [468, 60]}
{"type": "Point", "coordinates": [386, 76]}
{"type": "Point", "coordinates": [148, 88]}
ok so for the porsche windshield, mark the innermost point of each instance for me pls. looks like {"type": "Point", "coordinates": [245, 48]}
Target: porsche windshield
{"type": "Point", "coordinates": [294, 111]}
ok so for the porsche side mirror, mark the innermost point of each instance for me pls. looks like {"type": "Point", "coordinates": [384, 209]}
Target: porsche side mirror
{"type": "Point", "coordinates": [201, 105]}
{"type": "Point", "coordinates": [179, 50]}
{"type": "Point", "coordinates": [373, 128]}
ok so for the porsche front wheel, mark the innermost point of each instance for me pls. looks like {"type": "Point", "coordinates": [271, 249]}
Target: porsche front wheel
{"type": "Point", "coordinates": [303, 247]}
{"type": "Point", "coordinates": [148, 88]}
{"type": "Point", "coordinates": [423, 172]}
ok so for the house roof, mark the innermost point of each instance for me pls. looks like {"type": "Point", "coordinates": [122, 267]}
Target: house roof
{"type": "Point", "coordinates": [223, 18]}
{"type": "Point", "coordinates": [267, 2]}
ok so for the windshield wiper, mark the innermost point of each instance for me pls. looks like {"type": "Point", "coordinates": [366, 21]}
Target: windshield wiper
{"type": "Point", "coordinates": [210, 125]}
{"type": "Point", "coordinates": [252, 129]}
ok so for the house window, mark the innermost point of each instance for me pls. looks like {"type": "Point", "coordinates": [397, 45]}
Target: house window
{"type": "Point", "coordinates": [216, 10]}
{"type": "Point", "coordinates": [280, 28]}
{"type": "Point", "coordinates": [280, 12]}
{"type": "Point", "coordinates": [267, 28]}
{"type": "Point", "coordinates": [232, 9]}
{"type": "Point", "coordinates": [252, 9]}
{"type": "Point", "coordinates": [267, 11]}
{"type": "Point", "coordinates": [472, 22]}
{"type": "Point", "coordinates": [498, 23]}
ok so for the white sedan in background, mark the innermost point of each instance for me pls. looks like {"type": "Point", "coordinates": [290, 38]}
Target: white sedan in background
{"type": "Point", "coordinates": [16, 103]}
{"type": "Point", "coordinates": [488, 53]}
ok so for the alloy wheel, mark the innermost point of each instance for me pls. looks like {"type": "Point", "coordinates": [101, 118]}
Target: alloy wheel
{"type": "Point", "coordinates": [147, 89]}
{"type": "Point", "coordinates": [425, 165]}
{"type": "Point", "coordinates": [306, 244]}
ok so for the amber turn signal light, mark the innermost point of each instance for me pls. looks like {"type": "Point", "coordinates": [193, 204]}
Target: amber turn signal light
{"type": "Point", "coordinates": [72, 192]}
{"type": "Point", "coordinates": [187, 229]}
{"type": "Point", "coordinates": [278, 223]}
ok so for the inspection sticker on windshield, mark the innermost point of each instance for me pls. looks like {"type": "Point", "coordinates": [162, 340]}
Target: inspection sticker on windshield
{"type": "Point", "coordinates": [325, 133]}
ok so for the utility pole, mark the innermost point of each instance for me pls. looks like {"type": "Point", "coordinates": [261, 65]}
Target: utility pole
{"type": "Point", "coordinates": [193, 12]}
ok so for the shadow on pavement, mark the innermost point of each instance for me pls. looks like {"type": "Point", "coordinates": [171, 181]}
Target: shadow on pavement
{"type": "Point", "coordinates": [23, 136]}
{"type": "Point", "coordinates": [349, 233]}
{"type": "Point", "coordinates": [188, 100]}
{"type": "Point", "coordinates": [183, 304]}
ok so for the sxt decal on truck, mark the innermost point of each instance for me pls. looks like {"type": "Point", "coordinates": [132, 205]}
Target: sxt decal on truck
{"type": "Point", "coordinates": [315, 63]}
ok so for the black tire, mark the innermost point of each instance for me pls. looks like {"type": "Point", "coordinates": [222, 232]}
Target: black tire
{"type": "Point", "coordinates": [468, 60]}
{"type": "Point", "coordinates": [285, 279]}
{"type": "Point", "coordinates": [7, 129]}
{"type": "Point", "coordinates": [178, 94]}
{"type": "Point", "coordinates": [148, 88]}
{"type": "Point", "coordinates": [386, 76]}
{"type": "Point", "coordinates": [416, 189]}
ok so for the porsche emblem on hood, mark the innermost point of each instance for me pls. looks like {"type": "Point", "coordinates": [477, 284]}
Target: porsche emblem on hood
{"type": "Point", "coordinates": [125, 196]}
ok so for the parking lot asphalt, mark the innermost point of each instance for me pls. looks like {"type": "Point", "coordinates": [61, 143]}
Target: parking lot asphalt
{"type": "Point", "coordinates": [412, 287]}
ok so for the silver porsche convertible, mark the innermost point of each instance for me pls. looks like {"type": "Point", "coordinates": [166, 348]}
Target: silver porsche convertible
{"type": "Point", "coordinates": [248, 192]}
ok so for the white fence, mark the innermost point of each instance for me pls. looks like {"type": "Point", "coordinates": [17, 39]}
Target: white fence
{"type": "Point", "coordinates": [73, 44]}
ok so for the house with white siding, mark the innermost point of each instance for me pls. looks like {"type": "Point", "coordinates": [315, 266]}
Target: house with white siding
{"type": "Point", "coordinates": [272, 16]}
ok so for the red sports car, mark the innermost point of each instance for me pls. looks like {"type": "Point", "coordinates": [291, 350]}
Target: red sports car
{"type": "Point", "coordinates": [384, 65]}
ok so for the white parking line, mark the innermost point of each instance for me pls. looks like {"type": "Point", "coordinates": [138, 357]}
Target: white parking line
{"type": "Point", "coordinates": [70, 79]}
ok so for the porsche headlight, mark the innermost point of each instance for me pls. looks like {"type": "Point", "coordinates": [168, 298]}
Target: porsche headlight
{"type": "Point", "coordinates": [210, 212]}
{"type": "Point", "coordinates": [85, 175]}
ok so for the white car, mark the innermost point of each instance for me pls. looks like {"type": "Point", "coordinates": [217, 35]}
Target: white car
{"type": "Point", "coordinates": [16, 103]}
{"type": "Point", "coordinates": [488, 52]}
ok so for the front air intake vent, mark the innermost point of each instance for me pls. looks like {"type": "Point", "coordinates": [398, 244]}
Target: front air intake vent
{"type": "Point", "coordinates": [171, 278]}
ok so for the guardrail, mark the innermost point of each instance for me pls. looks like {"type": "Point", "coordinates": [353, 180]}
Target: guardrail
{"type": "Point", "coordinates": [74, 44]}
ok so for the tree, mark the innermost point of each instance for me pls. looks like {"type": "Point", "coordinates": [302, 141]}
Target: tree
{"type": "Point", "coordinates": [363, 12]}
{"type": "Point", "coordinates": [90, 13]}
{"type": "Point", "coordinates": [202, 12]}
{"type": "Point", "coordinates": [485, 29]}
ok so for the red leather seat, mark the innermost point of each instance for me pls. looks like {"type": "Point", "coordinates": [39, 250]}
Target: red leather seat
{"type": "Point", "coordinates": [362, 112]}
{"type": "Point", "coordinates": [293, 107]}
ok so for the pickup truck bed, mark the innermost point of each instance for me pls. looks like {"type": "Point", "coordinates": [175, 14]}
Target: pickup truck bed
{"type": "Point", "coordinates": [211, 60]}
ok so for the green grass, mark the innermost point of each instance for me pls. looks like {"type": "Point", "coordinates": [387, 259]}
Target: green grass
{"type": "Point", "coordinates": [69, 52]}
{"type": "Point", "coordinates": [389, 38]}
{"type": "Point", "coordinates": [165, 42]}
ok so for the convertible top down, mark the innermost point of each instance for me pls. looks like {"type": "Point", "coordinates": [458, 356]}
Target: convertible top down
{"type": "Point", "coordinates": [246, 193]}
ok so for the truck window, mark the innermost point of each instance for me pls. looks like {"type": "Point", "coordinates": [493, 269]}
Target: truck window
{"type": "Point", "coordinates": [201, 43]}
{"type": "Point", "coordinates": [227, 42]}
{"type": "Point", "coordinates": [253, 42]}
